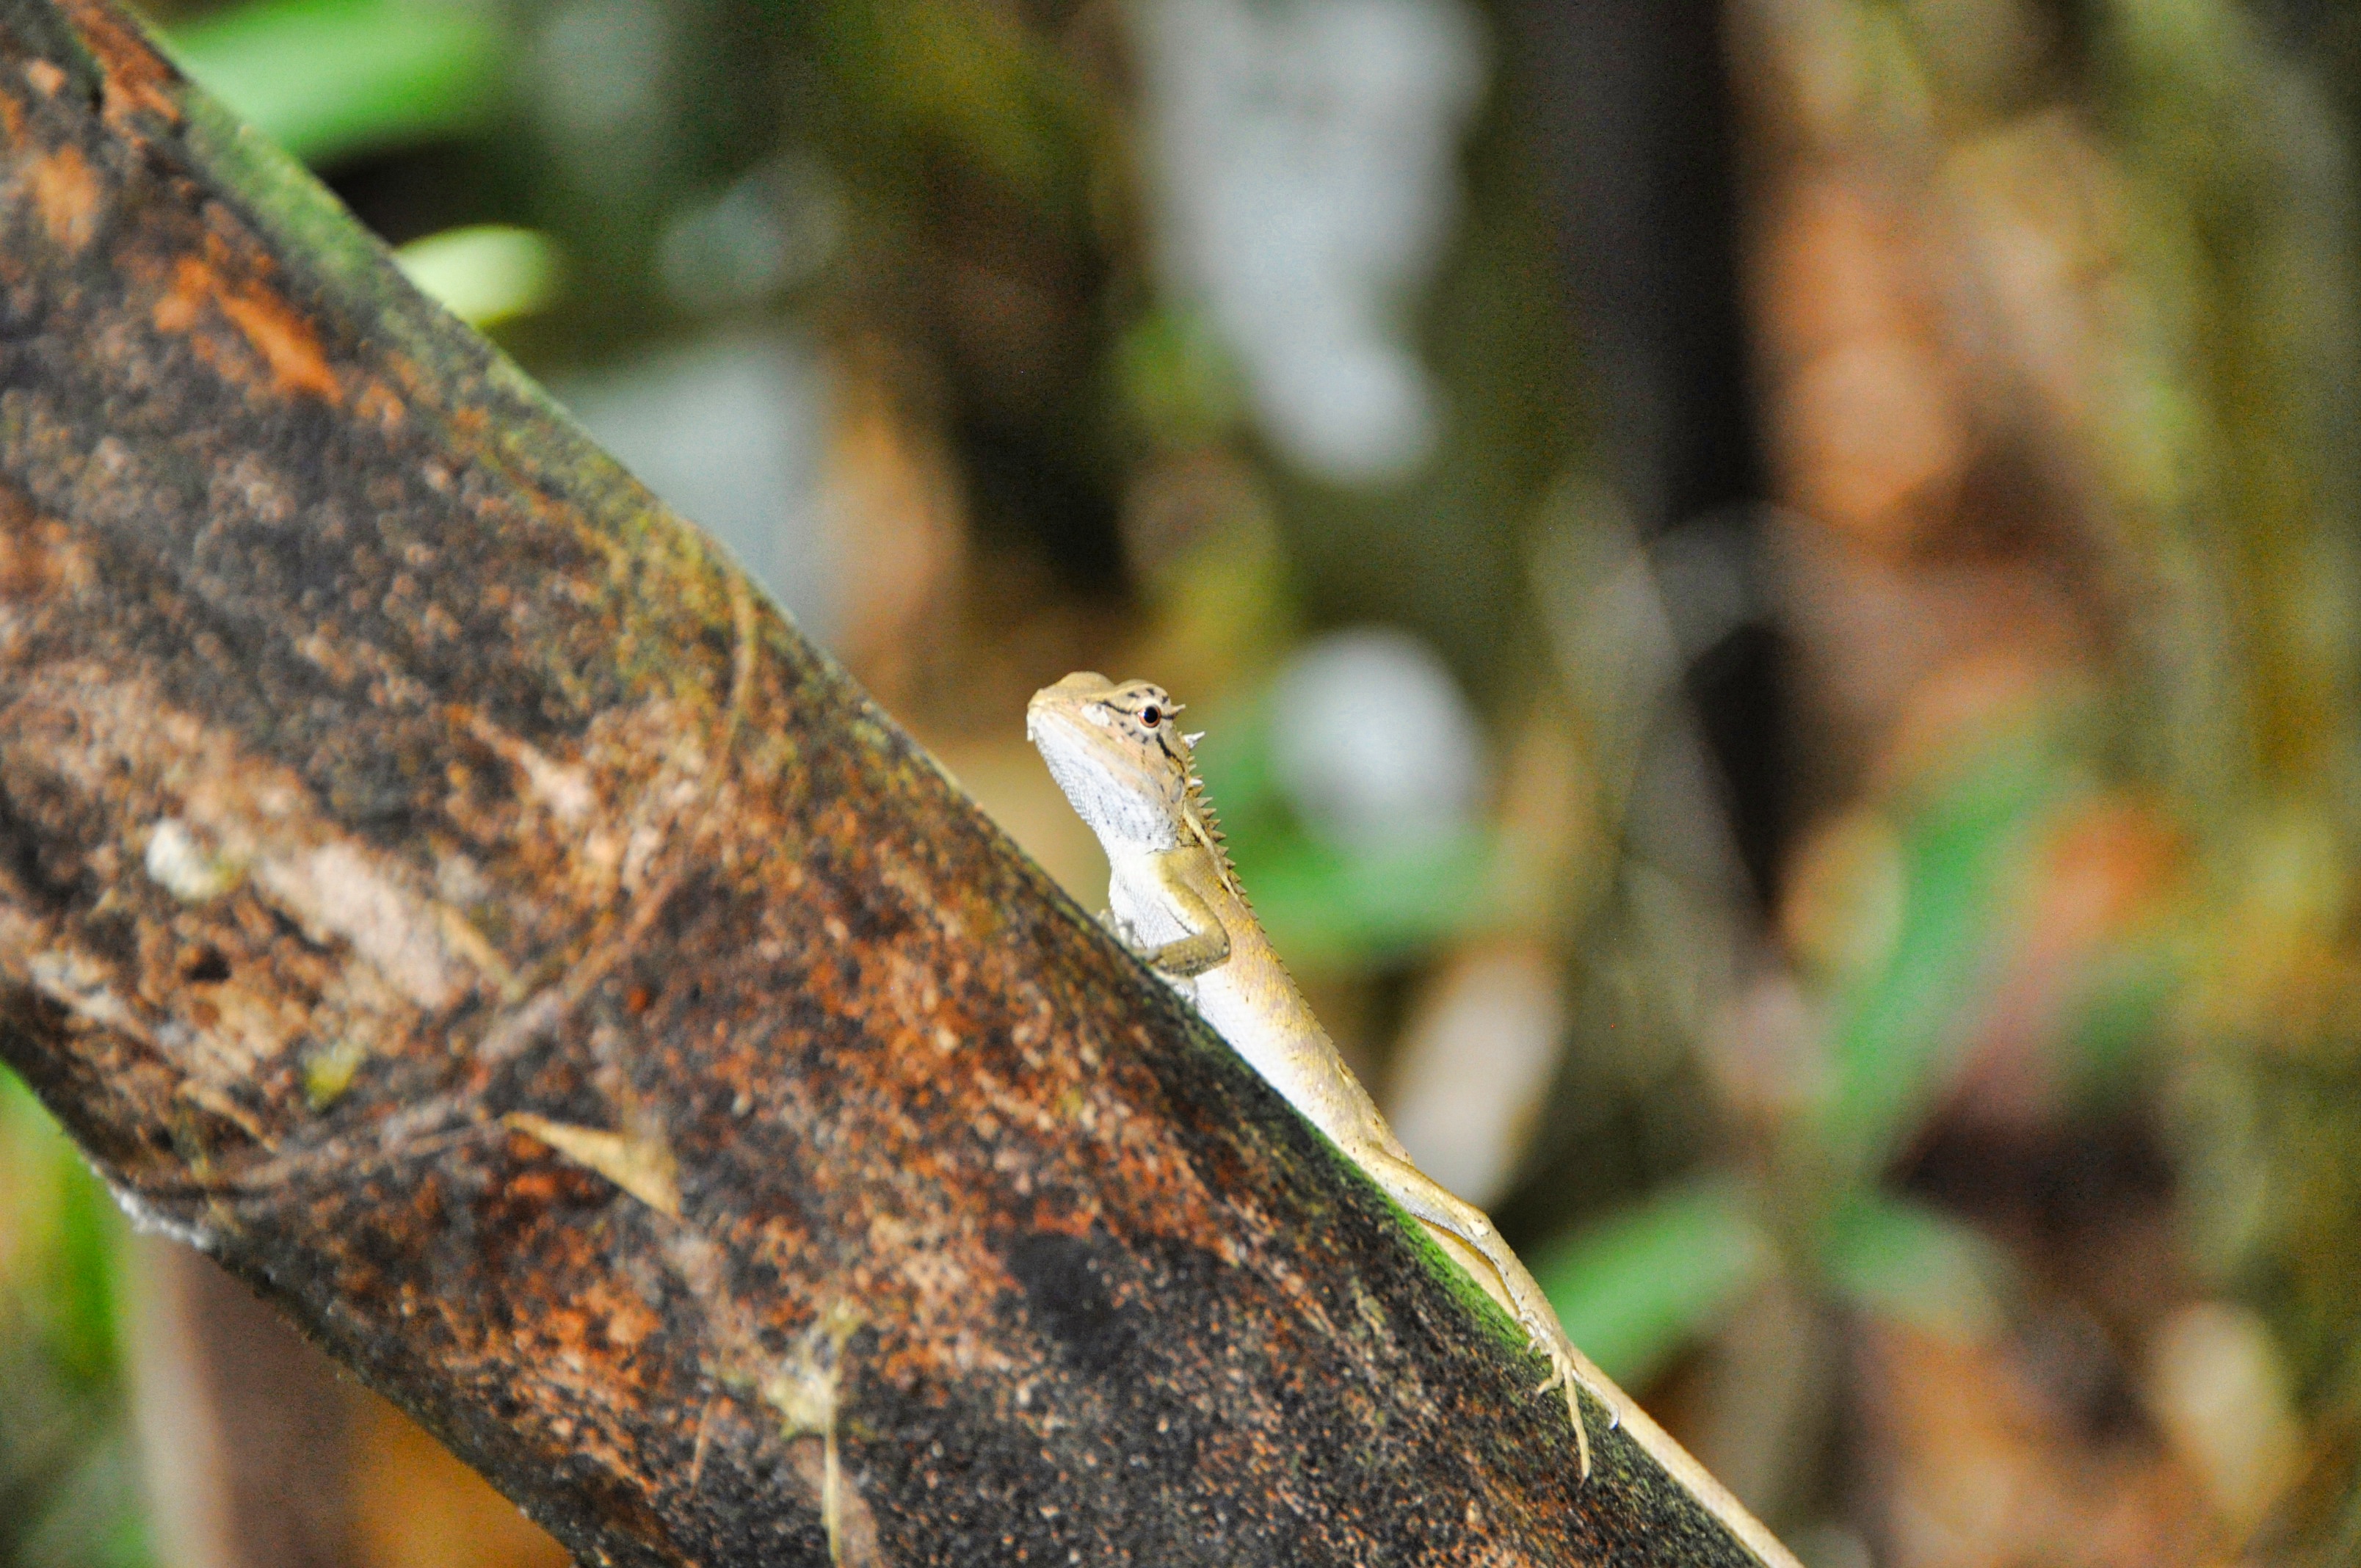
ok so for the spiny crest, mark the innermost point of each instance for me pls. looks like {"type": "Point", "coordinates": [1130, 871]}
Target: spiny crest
{"type": "Point", "coordinates": [1202, 816]}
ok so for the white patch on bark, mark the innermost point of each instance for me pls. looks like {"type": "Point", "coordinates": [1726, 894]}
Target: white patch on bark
{"type": "Point", "coordinates": [184, 867]}
{"type": "Point", "coordinates": [566, 790]}
{"type": "Point", "coordinates": [333, 891]}
{"type": "Point", "coordinates": [77, 983]}
{"type": "Point", "coordinates": [147, 1218]}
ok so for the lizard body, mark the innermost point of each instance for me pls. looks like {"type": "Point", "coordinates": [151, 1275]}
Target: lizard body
{"type": "Point", "coordinates": [1122, 761]}
{"type": "Point", "coordinates": [1119, 756]}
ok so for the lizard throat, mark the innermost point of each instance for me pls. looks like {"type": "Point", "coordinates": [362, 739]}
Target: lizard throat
{"type": "Point", "coordinates": [1121, 810]}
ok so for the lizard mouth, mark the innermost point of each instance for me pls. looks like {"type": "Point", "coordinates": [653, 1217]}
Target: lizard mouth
{"type": "Point", "coordinates": [1046, 728]}
{"type": "Point", "coordinates": [1038, 723]}
{"type": "Point", "coordinates": [1041, 716]}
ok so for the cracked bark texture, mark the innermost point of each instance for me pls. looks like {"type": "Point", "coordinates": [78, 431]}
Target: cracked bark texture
{"type": "Point", "coordinates": [385, 775]}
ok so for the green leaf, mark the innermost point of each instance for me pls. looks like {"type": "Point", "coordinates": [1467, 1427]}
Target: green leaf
{"type": "Point", "coordinates": [485, 273]}
{"type": "Point", "coordinates": [1910, 1262]}
{"type": "Point", "coordinates": [1899, 1024]}
{"type": "Point", "coordinates": [1635, 1288]}
{"type": "Point", "coordinates": [90, 1243]}
{"type": "Point", "coordinates": [327, 78]}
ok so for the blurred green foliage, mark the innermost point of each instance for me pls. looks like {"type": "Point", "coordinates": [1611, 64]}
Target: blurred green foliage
{"type": "Point", "coordinates": [978, 155]}
{"type": "Point", "coordinates": [1964, 854]}
{"type": "Point", "coordinates": [1916, 1264]}
{"type": "Point", "coordinates": [330, 79]}
{"type": "Point", "coordinates": [485, 273]}
{"type": "Point", "coordinates": [1327, 906]}
{"type": "Point", "coordinates": [937, 80]}
{"type": "Point", "coordinates": [1638, 1287]}
{"type": "Point", "coordinates": [69, 1485]}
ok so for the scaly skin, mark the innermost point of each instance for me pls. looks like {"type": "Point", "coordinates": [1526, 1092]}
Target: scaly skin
{"type": "Point", "coordinates": [1117, 752]}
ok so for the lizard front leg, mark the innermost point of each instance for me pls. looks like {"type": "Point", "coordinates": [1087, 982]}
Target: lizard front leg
{"type": "Point", "coordinates": [1206, 944]}
{"type": "Point", "coordinates": [1455, 1218]}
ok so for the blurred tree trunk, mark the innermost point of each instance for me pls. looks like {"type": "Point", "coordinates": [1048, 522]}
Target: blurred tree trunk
{"type": "Point", "coordinates": [436, 886]}
{"type": "Point", "coordinates": [1631, 103]}
{"type": "Point", "coordinates": [243, 1426]}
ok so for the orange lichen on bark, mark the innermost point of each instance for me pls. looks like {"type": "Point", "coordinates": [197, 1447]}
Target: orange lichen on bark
{"type": "Point", "coordinates": [296, 363]}
{"type": "Point", "coordinates": [288, 349]}
{"type": "Point", "coordinates": [66, 197]}
{"type": "Point", "coordinates": [44, 77]}
{"type": "Point", "coordinates": [380, 405]}
{"type": "Point", "coordinates": [38, 555]}
{"type": "Point", "coordinates": [137, 78]}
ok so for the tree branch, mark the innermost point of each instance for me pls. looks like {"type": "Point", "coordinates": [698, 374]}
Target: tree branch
{"type": "Point", "coordinates": [433, 882]}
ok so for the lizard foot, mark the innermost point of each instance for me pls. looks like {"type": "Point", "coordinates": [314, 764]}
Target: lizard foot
{"type": "Point", "coordinates": [1562, 1375]}
{"type": "Point", "coordinates": [1565, 1375]}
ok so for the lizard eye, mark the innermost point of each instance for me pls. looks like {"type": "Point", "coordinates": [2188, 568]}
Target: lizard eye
{"type": "Point", "coordinates": [1151, 715]}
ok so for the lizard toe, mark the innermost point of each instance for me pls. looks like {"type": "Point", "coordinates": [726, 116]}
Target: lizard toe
{"type": "Point", "coordinates": [1563, 1375]}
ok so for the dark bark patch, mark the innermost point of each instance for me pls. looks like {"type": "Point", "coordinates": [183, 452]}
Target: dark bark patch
{"type": "Point", "coordinates": [1071, 1295]}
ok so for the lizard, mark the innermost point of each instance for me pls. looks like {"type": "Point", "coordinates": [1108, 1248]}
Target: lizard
{"type": "Point", "coordinates": [1119, 755]}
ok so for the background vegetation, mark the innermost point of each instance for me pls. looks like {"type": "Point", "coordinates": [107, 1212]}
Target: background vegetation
{"type": "Point", "coordinates": [1773, 590]}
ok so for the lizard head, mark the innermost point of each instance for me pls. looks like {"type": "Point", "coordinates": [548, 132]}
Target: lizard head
{"type": "Point", "coordinates": [1117, 752]}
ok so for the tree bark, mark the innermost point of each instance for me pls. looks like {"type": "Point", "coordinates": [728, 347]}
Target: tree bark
{"type": "Point", "coordinates": [435, 885]}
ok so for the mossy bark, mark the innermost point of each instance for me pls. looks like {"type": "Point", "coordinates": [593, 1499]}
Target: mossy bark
{"type": "Point", "coordinates": [388, 784]}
